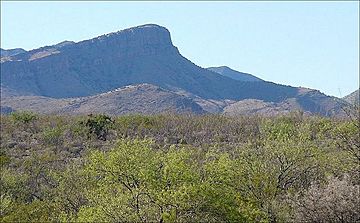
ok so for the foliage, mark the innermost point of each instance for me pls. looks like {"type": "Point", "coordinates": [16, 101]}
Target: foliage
{"type": "Point", "coordinates": [24, 120]}
{"type": "Point", "coordinates": [98, 125]}
{"type": "Point", "coordinates": [178, 168]}
{"type": "Point", "coordinates": [336, 201]}
{"type": "Point", "coordinates": [24, 117]}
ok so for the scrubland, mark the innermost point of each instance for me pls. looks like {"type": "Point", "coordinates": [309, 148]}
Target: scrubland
{"type": "Point", "coordinates": [179, 168]}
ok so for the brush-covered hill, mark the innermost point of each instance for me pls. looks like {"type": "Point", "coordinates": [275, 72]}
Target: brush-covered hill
{"type": "Point", "coordinates": [132, 99]}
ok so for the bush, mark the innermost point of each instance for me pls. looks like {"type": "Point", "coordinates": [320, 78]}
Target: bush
{"type": "Point", "coordinates": [98, 125]}
{"type": "Point", "coordinates": [23, 117]}
{"type": "Point", "coordinates": [337, 201]}
{"type": "Point", "coordinates": [53, 135]}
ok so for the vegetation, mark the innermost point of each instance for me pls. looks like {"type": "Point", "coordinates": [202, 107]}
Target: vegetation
{"type": "Point", "coordinates": [179, 168]}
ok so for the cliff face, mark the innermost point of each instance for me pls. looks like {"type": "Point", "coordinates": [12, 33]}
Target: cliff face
{"type": "Point", "coordinates": [137, 41]}
{"type": "Point", "coordinates": [87, 67]}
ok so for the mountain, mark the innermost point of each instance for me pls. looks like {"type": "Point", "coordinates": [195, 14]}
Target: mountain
{"type": "Point", "coordinates": [142, 99]}
{"type": "Point", "coordinates": [142, 54]}
{"type": "Point", "coordinates": [353, 98]}
{"type": "Point", "coordinates": [11, 52]}
{"type": "Point", "coordinates": [233, 74]}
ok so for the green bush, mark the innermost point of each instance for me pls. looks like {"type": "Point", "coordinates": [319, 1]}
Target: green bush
{"type": "Point", "coordinates": [98, 125]}
{"type": "Point", "coordinates": [23, 117]}
{"type": "Point", "coordinates": [53, 136]}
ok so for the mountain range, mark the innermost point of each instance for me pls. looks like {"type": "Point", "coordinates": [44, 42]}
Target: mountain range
{"type": "Point", "coordinates": [139, 70]}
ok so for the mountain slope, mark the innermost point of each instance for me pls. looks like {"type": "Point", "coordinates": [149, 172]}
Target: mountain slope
{"type": "Point", "coordinates": [233, 74]}
{"type": "Point", "coordinates": [253, 106]}
{"type": "Point", "coordinates": [11, 52]}
{"type": "Point", "coordinates": [353, 98]}
{"type": "Point", "coordinates": [143, 98]}
{"type": "Point", "coordinates": [310, 102]}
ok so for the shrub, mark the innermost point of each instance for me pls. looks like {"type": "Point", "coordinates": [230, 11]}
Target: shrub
{"type": "Point", "coordinates": [53, 135]}
{"type": "Point", "coordinates": [24, 117]}
{"type": "Point", "coordinates": [337, 201]}
{"type": "Point", "coordinates": [98, 125]}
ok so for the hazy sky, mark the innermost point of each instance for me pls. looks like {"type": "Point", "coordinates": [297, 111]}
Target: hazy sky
{"type": "Point", "coordinates": [310, 44]}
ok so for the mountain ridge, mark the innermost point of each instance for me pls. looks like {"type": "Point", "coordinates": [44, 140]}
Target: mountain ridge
{"type": "Point", "coordinates": [233, 74]}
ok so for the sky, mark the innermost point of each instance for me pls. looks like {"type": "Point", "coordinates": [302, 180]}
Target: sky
{"type": "Point", "coordinates": [307, 44]}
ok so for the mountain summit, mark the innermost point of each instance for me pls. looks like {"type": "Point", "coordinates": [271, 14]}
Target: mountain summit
{"type": "Point", "coordinates": [142, 54]}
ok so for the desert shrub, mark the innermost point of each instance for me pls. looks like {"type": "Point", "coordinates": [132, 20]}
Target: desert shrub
{"type": "Point", "coordinates": [24, 117]}
{"type": "Point", "coordinates": [36, 211]}
{"type": "Point", "coordinates": [98, 125]}
{"type": "Point", "coordinates": [347, 138]}
{"type": "Point", "coordinates": [136, 120]}
{"type": "Point", "coordinates": [25, 120]}
{"type": "Point", "coordinates": [4, 159]}
{"type": "Point", "coordinates": [134, 182]}
{"type": "Point", "coordinates": [169, 167]}
{"type": "Point", "coordinates": [270, 172]}
{"type": "Point", "coordinates": [53, 136]}
{"type": "Point", "coordinates": [337, 201]}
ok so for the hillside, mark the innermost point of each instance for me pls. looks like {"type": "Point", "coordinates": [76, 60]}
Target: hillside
{"type": "Point", "coordinates": [133, 99]}
{"type": "Point", "coordinates": [353, 98]}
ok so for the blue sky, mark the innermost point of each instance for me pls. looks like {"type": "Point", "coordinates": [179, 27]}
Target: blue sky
{"type": "Point", "coordinates": [309, 44]}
